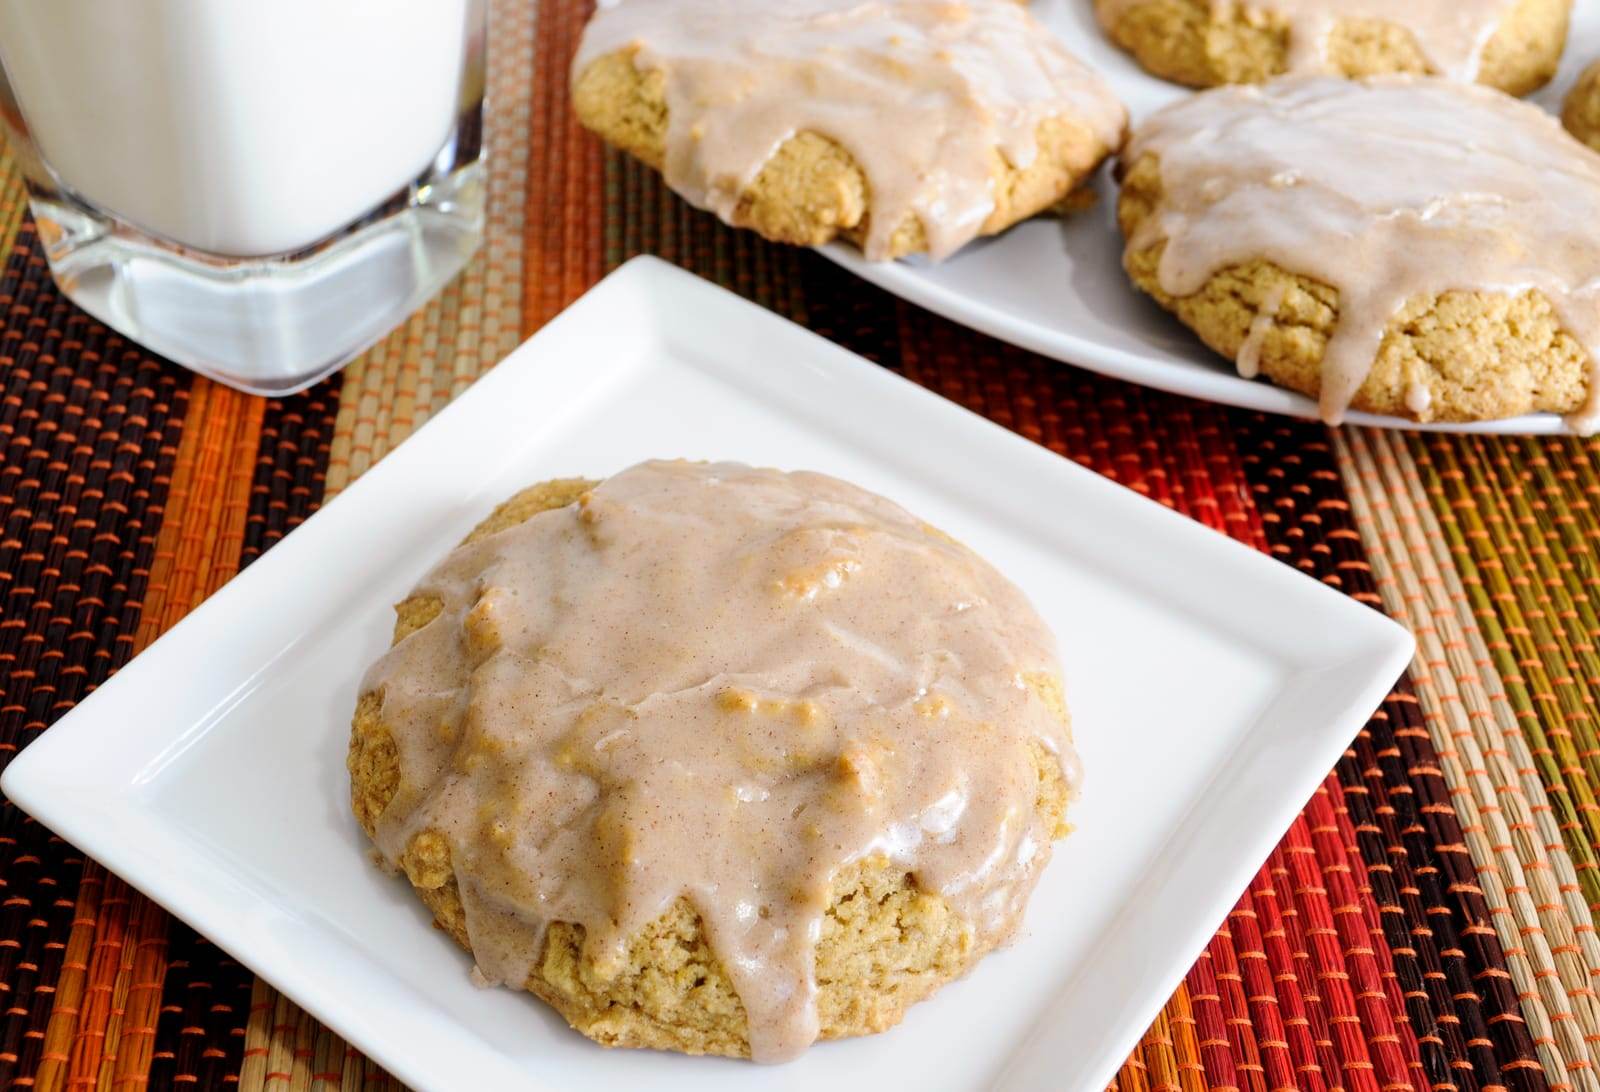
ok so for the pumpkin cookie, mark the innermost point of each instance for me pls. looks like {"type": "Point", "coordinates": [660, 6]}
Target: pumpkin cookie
{"type": "Point", "coordinates": [715, 759]}
{"type": "Point", "coordinates": [1513, 45]}
{"type": "Point", "coordinates": [1400, 245]}
{"type": "Point", "coordinates": [904, 126]}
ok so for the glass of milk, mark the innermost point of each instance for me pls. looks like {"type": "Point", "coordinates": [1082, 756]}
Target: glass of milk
{"type": "Point", "coordinates": [257, 191]}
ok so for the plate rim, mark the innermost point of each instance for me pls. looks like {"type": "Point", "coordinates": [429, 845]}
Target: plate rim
{"type": "Point", "coordinates": [903, 279]}
{"type": "Point", "coordinates": [59, 796]}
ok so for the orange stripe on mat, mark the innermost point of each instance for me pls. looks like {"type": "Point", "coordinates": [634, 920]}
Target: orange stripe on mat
{"type": "Point", "coordinates": [566, 252]}
{"type": "Point", "coordinates": [102, 1024]}
{"type": "Point", "coordinates": [1168, 1058]}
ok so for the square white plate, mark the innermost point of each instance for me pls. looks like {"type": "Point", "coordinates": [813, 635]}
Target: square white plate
{"type": "Point", "coordinates": [1056, 286]}
{"type": "Point", "coordinates": [1211, 689]}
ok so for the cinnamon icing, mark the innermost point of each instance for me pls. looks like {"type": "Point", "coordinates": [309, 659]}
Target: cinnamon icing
{"type": "Point", "coordinates": [724, 684]}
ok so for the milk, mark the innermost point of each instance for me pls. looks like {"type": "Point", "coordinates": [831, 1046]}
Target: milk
{"type": "Point", "coordinates": [238, 127]}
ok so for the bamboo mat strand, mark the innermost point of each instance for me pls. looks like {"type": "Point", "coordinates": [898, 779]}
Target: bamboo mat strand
{"type": "Point", "coordinates": [1542, 642]}
{"type": "Point", "coordinates": [1487, 765]}
{"type": "Point", "coordinates": [1313, 527]}
{"type": "Point", "coordinates": [86, 424]}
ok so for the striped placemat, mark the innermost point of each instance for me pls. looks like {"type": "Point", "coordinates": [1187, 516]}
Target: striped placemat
{"type": "Point", "coordinates": [1426, 922]}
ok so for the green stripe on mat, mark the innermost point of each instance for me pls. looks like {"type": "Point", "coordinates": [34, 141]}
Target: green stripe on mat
{"type": "Point", "coordinates": [1521, 519]}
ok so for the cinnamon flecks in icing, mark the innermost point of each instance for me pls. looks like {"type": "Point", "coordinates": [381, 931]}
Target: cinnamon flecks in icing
{"type": "Point", "coordinates": [1451, 34]}
{"type": "Point", "coordinates": [920, 93]}
{"type": "Point", "coordinates": [1387, 190]}
{"type": "Point", "coordinates": [723, 684]}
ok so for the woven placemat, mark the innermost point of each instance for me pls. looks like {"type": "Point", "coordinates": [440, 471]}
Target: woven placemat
{"type": "Point", "coordinates": [1426, 922]}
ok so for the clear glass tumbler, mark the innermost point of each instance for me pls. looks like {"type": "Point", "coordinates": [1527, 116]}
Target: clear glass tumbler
{"type": "Point", "coordinates": [255, 191]}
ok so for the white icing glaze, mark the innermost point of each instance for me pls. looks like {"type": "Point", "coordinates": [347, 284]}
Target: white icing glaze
{"type": "Point", "coordinates": [1451, 34]}
{"type": "Point", "coordinates": [722, 684]}
{"type": "Point", "coordinates": [921, 93]}
{"type": "Point", "coordinates": [1418, 398]}
{"type": "Point", "coordinates": [1386, 189]}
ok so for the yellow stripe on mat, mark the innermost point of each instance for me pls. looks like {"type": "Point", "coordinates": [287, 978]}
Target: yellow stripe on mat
{"type": "Point", "coordinates": [13, 196]}
{"type": "Point", "coordinates": [1167, 1059]}
{"type": "Point", "coordinates": [1540, 915]}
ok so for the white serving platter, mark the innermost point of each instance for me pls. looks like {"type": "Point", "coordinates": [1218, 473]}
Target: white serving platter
{"type": "Point", "coordinates": [1211, 688]}
{"type": "Point", "coordinates": [1056, 287]}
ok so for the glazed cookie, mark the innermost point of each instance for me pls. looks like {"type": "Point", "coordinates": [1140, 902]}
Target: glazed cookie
{"type": "Point", "coordinates": [1514, 45]}
{"type": "Point", "coordinates": [1400, 245]}
{"type": "Point", "coordinates": [904, 126]}
{"type": "Point", "coordinates": [1580, 113]}
{"type": "Point", "coordinates": [716, 759]}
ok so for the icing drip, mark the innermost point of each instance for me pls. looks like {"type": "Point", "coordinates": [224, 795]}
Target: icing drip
{"type": "Point", "coordinates": [1250, 352]}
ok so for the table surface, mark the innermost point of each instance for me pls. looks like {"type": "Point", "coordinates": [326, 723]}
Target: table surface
{"type": "Point", "coordinates": [1427, 921]}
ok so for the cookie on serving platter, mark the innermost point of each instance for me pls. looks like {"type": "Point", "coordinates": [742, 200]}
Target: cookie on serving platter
{"type": "Point", "coordinates": [1401, 245]}
{"type": "Point", "coordinates": [903, 126]}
